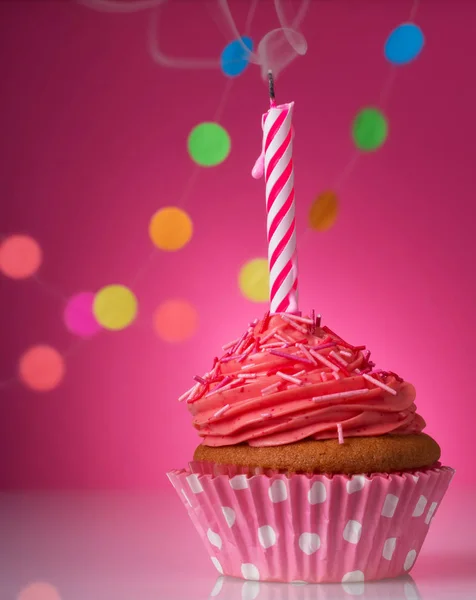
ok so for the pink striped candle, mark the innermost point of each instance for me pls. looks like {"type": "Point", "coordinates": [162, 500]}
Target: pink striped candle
{"type": "Point", "coordinates": [276, 163]}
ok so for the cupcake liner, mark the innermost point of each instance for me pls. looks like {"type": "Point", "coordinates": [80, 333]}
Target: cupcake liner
{"type": "Point", "coordinates": [230, 588]}
{"type": "Point", "coordinates": [312, 528]}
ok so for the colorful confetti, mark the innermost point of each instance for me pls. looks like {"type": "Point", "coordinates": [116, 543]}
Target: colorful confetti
{"type": "Point", "coordinates": [20, 256]}
{"type": "Point", "coordinates": [208, 144]}
{"type": "Point", "coordinates": [41, 368]}
{"type": "Point", "coordinates": [170, 228]}
{"type": "Point", "coordinates": [369, 129]}
{"type": "Point", "coordinates": [253, 280]}
{"type": "Point", "coordinates": [175, 320]}
{"type": "Point", "coordinates": [115, 307]}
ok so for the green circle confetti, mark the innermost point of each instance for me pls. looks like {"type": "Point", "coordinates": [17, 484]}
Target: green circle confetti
{"type": "Point", "coordinates": [208, 144]}
{"type": "Point", "coordinates": [369, 129]}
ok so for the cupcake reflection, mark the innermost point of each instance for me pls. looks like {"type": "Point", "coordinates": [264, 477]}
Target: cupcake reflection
{"type": "Point", "coordinates": [230, 588]}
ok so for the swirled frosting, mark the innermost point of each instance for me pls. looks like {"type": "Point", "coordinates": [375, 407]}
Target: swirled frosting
{"type": "Point", "coordinates": [287, 378]}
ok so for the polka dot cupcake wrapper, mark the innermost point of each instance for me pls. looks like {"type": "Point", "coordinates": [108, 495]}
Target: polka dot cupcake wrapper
{"type": "Point", "coordinates": [314, 529]}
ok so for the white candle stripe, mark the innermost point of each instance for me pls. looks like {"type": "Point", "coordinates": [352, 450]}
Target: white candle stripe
{"type": "Point", "coordinates": [277, 142]}
{"type": "Point", "coordinates": [282, 292]}
{"type": "Point", "coordinates": [274, 174]}
{"type": "Point", "coordinates": [274, 115]}
{"type": "Point", "coordinates": [285, 199]}
{"type": "Point", "coordinates": [283, 259]}
{"type": "Point", "coordinates": [284, 149]}
{"type": "Point", "coordinates": [282, 197]}
{"type": "Point", "coordinates": [280, 231]}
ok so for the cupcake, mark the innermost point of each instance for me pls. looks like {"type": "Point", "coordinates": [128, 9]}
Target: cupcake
{"type": "Point", "coordinates": [313, 464]}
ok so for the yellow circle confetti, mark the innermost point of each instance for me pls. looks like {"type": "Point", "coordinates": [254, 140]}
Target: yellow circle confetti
{"type": "Point", "coordinates": [115, 307]}
{"type": "Point", "coordinates": [170, 228]}
{"type": "Point", "coordinates": [175, 320]}
{"type": "Point", "coordinates": [253, 280]}
{"type": "Point", "coordinates": [324, 210]}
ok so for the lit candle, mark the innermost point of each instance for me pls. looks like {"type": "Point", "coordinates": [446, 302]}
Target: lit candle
{"type": "Point", "coordinates": [276, 163]}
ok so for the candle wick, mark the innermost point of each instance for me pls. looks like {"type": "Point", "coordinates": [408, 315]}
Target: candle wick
{"type": "Point", "coordinates": [272, 98]}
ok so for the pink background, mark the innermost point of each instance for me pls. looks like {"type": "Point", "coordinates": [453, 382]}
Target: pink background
{"type": "Point", "coordinates": [93, 139]}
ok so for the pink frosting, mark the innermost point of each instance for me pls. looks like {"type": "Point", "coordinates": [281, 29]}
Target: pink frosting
{"type": "Point", "coordinates": [288, 379]}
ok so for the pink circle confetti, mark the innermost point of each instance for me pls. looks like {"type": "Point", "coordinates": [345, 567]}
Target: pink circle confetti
{"type": "Point", "coordinates": [78, 315]}
{"type": "Point", "coordinates": [20, 256]}
{"type": "Point", "coordinates": [41, 368]}
{"type": "Point", "coordinates": [39, 591]}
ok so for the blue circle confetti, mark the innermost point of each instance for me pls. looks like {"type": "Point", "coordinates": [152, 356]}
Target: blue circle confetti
{"type": "Point", "coordinates": [235, 58]}
{"type": "Point", "coordinates": [404, 44]}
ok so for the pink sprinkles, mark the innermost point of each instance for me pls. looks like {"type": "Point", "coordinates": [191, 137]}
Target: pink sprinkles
{"type": "Point", "coordinates": [315, 363]}
{"type": "Point", "coordinates": [222, 410]}
{"type": "Point", "coordinates": [385, 387]}
{"type": "Point", "coordinates": [289, 378]}
{"type": "Point", "coordinates": [271, 388]}
{"type": "Point", "coordinates": [349, 394]}
{"type": "Point", "coordinates": [340, 435]}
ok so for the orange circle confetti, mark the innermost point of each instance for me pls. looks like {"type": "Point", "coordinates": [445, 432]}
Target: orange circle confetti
{"type": "Point", "coordinates": [41, 368]}
{"type": "Point", "coordinates": [324, 210]}
{"type": "Point", "coordinates": [170, 228]}
{"type": "Point", "coordinates": [175, 320]}
{"type": "Point", "coordinates": [39, 591]}
{"type": "Point", "coordinates": [20, 256]}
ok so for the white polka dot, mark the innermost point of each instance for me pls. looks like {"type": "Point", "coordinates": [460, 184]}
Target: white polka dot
{"type": "Point", "coordinates": [267, 536]}
{"type": "Point", "coordinates": [217, 564]}
{"type": "Point", "coordinates": [431, 512]}
{"type": "Point", "coordinates": [278, 492]}
{"type": "Point", "coordinates": [353, 576]}
{"type": "Point", "coordinates": [229, 514]}
{"type": "Point", "coordinates": [239, 482]}
{"type": "Point", "coordinates": [420, 507]}
{"type": "Point", "coordinates": [416, 478]}
{"type": "Point", "coordinates": [410, 559]}
{"type": "Point", "coordinates": [194, 483]}
{"type": "Point", "coordinates": [250, 590]}
{"type": "Point", "coordinates": [186, 497]}
{"type": "Point", "coordinates": [217, 588]}
{"type": "Point", "coordinates": [214, 539]}
{"type": "Point", "coordinates": [355, 484]}
{"type": "Point", "coordinates": [250, 571]}
{"type": "Point", "coordinates": [389, 548]}
{"type": "Point", "coordinates": [318, 493]}
{"type": "Point", "coordinates": [352, 531]}
{"type": "Point", "coordinates": [353, 583]}
{"type": "Point", "coordinates": [411, 592]}
{"type": "Point", "coordinates": [390, 505]}
{"type": "Point", "coordinates": [309, 543]}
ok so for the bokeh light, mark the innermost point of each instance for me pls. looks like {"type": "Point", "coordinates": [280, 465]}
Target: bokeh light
{"type": "Point", "coordinates": [175, 320]}
{"type": "Point", "coordinates": [39, 591]}
{"type": "Point", "coordinates": [78, 315]}
{"type": "Point", "coordinates": [41, 368]}
{"type": "Point", "coordinates": [253, 280]}
{"type": "Point", "coordinates": [170, 228]}
{"type": "Point", "coordinates": [324, 210]}
{"type": "Point", "coordinates": [369, 129]}
{"type": "Point", "coordinates": [208, 144]}
{"type": "Point", "coordinates": [115, 307]}
{"type": "Point", "coordinates": [20, 256]}
{"type": "Point", "coordinates": [404, 44]}
{"type": "Point", "coordinates": [235, 58]}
